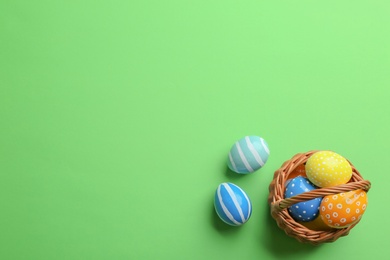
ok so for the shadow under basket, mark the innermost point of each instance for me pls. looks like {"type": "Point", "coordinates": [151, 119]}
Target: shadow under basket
{"type": "Point", "coordinates": [279, 204]}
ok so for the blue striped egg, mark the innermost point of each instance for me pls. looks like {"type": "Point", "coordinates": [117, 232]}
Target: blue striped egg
{"type": "Point", "coordinates": [232, 204]}
{"type": "Point", "coordinates": [248, 154]}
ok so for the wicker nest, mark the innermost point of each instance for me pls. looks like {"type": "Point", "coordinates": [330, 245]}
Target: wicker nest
{"type": "Point", "coordinates": [279, 205]}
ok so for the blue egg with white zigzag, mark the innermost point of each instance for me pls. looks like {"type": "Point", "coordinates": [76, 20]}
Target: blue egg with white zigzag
{"type": "Point", "coordinates": [248, 154]}
{"type": "Point", "coordinates": [232, 204]}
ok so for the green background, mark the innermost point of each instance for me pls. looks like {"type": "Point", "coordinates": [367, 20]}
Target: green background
{"type": "Point", "coordinates": [117, 117]}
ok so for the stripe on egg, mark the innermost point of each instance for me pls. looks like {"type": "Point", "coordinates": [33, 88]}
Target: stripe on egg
{"type": "Point", "coordinates": [221, 214]}
{"type": "Point", "coordinates": [237, 160]}
{"type": "Point", "coordinates": [258, 145]}
{"type": "Point", "coordinates": [249, 154]}
{"type": "Point", "coordinates": [235, 202]}
{"type": "Point", "coordinates": [265, 146]}
{"type": "Point", "coordinates": [225, 210]}
{"type": "Point", "coordinates": [228, 200]}
{"type": "Point", "coordinates": [254, 152]}
{"type": "Point", "coordinates": [232, 162]}
{"type": "Point", "coordinates": [242, 156]}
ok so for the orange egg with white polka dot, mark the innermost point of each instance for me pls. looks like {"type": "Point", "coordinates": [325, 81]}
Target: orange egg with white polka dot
{"type": "Point", "coordinates": [343, 209]}
{"type": "Point", "coordinates": [327, 169]}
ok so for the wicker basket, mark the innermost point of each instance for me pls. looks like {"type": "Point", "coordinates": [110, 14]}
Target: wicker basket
{"type": "Point", "coordinates": [279, 205]}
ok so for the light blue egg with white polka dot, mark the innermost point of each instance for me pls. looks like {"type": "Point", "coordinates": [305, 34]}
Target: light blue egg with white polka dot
{"type": "Point", "coordinates": [248, 154]}
{"type": "Point", "coordinates": [232, 204]}
{"type": "Point", "coordinates": [303, 211]}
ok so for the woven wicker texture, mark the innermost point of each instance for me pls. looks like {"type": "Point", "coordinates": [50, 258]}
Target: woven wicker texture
{"type": "Point", "coordinates": [279, 205]}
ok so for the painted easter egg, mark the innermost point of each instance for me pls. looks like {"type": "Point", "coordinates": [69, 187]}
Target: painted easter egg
{"type": "Point", "coordinates": [343, 209]}
{"type": "Point", "coordinates": [232, 204]}
{"type": "Point", "coordinates": [317, 224]}
{"type": "Point", "coordinates": [326, 169]}
{"type": "Point", "coordinates": [298, 171]}
{"type": "Point", "coordinates": [303, 211]}
{"type": "Point", "coordinates": [248, 154]}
